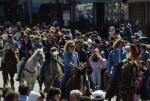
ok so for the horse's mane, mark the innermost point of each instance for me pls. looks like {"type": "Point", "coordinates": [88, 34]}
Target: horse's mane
{"type": "Point", "coordinates": [34, 54]}
{"type": "Point", "coordinates": [129, 68]}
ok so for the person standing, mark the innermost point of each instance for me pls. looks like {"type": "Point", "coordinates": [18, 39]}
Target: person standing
{"type": "Point", "coordinates": [117, 55]}
{"type": "Point", "coordinates": [97, 63]}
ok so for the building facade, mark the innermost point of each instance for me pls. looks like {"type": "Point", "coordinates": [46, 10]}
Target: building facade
{"type": "Point", "coordinates": [139, 12]}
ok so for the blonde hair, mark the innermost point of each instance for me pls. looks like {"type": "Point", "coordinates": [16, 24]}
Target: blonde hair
{"type": "Point", "coordinates": [67, 45]}
{"type": "Point", "coordinates": [117, 43]}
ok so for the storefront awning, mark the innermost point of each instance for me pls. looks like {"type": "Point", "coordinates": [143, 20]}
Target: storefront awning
{"type": "Point", "coordinates": [104, 1]}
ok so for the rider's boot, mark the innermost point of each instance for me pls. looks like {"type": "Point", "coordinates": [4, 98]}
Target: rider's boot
{"type": "Point", "coordinates": [18, 77]}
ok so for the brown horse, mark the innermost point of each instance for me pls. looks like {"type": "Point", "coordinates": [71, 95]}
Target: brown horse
{"type": "Point", "coordinates": [8, 65]}
{"type": "Point", "coordinates": [124, 84]}
{"type": "Point", "coordinates": [78, 80]}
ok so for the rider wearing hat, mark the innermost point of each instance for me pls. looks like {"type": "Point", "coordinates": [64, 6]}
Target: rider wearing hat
{"type": "Point", "coordinates": [46, 49]}
{"type": "Point", "coordinates": [11, 44]}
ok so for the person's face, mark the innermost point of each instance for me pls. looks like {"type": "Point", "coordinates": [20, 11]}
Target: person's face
{"type": "Point", "coordinates": [121, 44]}
{"type": "Point", "coordinates": [74, 98]}
{"type": "Point", "coordinates": [148, 65]}
{"type": "Point", "coordinates": [57, 97]}
{"type": "Point", "coordinates": [16, 99]}
{"type": "Point", "coordinates": [72, 47]}
{"type": "Point", "coordinates": [78, 46]}
{"type": "Point", "coordinates": [36, 40]}
{"type": "Point", "coordinates": [49, 39]}
{"type": "Point", "coordinates": [26, 39]}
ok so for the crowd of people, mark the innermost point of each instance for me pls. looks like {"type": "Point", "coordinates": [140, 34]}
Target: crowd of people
{"type": "Point", "coordinates": [101, 54]}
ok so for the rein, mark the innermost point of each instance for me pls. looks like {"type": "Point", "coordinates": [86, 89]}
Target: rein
{"type": "Point", "coordinates": [30, 71]}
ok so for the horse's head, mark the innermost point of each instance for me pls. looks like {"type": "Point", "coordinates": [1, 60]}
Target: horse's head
{"type": "Point", "coordinates": [41, 56]}
{"type": "Point", "coordinates": [54, 55]}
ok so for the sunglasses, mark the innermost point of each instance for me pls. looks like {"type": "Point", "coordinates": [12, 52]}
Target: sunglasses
{"type": "Point", "coordinates": [72, 46]}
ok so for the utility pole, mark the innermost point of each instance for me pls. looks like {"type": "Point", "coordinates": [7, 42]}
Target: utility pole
{"type": "Point", "coordinates": [29, 2]}
{"type": "Point", "coordinates": [72, 10]}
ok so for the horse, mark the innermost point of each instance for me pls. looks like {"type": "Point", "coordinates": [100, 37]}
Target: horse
{"type": "Point", "coordinates": [53, 71]}
{"type": "Point", "coordinates": [8, 65]}
{"type": "Point", "coordinates": [78, 80]}
{"type": "Point", "coordinates": [31, 69]}
{"type": "Point", "coordinates": [124, 84]}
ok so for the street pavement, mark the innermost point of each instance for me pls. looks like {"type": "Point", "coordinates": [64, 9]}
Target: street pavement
{"type": "Point", "coordinates": [36, 87]}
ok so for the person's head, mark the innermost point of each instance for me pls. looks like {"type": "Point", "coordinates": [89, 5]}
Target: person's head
{"type": "Point", "coordinates": [26, 38]}
{"type": "Point", "coordinates": [69, 46]}
{"type": "Point", "coordinates": [37, 39]}
{"type": "Point", "coordinates": [85, 98]}
{"type": "Point", "coordinates": [142, 64]}
{"type": "Point", "coordinates": [10, 37]}
{"type": "Point", "coordinates": [143, 48]}
{"type": "Point", "coordinates": [95, 55]}
{"type": "Point", "coordinates": [23, 89]}
{"type": "Point", "coordinates": [118, 43]}
{"type": "Point", "coordinates": [79, 44]}
{"type": "Point", "coordinates": [42, 97]}
{"type": "Point", "coordinates": [34, 96]}
{"type": "Point", "coordinates": [12, 96]}
{"type": "Point", "coordinates": [75, 95]}
{"type": "Point", "coordinates": [54, 94]}
{"type": "Point", "coordinates": [50, 37]}
{"type": "Point", "coordinates": [18, 24]}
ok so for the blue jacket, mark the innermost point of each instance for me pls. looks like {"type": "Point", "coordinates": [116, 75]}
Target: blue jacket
{"type": "Point", "coordinates": [113, 57]}
{"type": "Point", "coordinates": [37, 46]}
{"type": "Point", "coordinates": [71, 61]}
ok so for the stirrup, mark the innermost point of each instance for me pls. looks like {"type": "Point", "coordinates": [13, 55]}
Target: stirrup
{"type": "Point", "coordinates": [18, 79]}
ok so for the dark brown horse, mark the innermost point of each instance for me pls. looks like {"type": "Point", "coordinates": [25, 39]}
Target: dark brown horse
{"type": "Point", "coordinates": [124, 84]}
{"type": "Point", "coordinates": [8, 65]}
{"type": "Point", "coordinates": [78, 80]}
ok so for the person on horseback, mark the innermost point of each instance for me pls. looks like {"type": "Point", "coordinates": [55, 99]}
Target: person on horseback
{"type": "Point", "coordinates": [24, 54]}
{"type": "Point", "coordinates": [117, 55]}
{"type": "Point", "coordinates": [37, 43]}
{"type": "Point", "coordinates": [71, 61]}
{"type": "Point", "coordinates": [46, 49]}
{"type": "Point", "coordinates": [10, 44]}
{"type": "Point", "coordinates": [83, 58]}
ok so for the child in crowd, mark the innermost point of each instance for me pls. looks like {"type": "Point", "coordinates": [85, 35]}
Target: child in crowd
{"type": "Point", "coordinates": [54, 94]}
{"type": "Point", "coordinates": [23, 91]}
{"type": "Point", "coordinates": [75, 95]}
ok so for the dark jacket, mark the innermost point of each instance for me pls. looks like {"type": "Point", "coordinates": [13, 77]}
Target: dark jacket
{"type": "Point", "coordinates": [25, 50]}
{"type": "Point", "coordinates": [82, 56]}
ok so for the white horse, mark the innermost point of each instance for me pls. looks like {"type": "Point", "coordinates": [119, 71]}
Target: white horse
{"type": "Point", "coordinates": [32, 68]}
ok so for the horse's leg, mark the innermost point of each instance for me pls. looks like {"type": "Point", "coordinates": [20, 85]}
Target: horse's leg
{"type": "Point", "coordinates": [5, 78]}
{"type": "Point", "coordinates": [12, 80]}
{"type": "Point", "coordinates": [40, 86]}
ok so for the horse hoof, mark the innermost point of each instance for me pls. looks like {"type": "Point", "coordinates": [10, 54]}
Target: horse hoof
{"type": "Point", "coordinates": [13, 88]}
